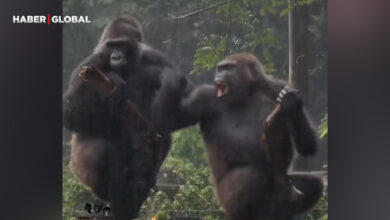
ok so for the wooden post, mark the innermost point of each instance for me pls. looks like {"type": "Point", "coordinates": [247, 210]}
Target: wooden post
{"type": "Point", "coordinates": [300, 41]}
{"type": "Point", "coordinates": [300, 58]}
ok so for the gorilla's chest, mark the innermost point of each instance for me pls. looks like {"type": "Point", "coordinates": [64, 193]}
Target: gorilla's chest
{"type": "Point", "coordinates": [141, 89]}
{"type": "Point", "coordinates": [239, 126]}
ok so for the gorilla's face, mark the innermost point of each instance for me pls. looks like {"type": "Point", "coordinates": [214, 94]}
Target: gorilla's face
{"type": "Point", "coordinates": [123, 54]}
{"type": "Point", "coordinates": [225, 74]}
{"type": "Point", "coordinates": [232, 78]}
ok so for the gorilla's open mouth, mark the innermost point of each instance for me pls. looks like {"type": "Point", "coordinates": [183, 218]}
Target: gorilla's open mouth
{"type": "Point", "coordinates": [222, 88]}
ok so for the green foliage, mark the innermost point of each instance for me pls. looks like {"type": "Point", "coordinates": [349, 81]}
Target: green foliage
{"type": "Point", "coordinates": [187, 152]}
{"type": "Point", "coordinates": [211, 51]}
{"type": "Point", "coordinates": [323, 128]}
{"type": "Point", "coordinates": [196, 196]}
{"type": "Point", "coordinates": [157, 204]}
{"type": "Point", "coordinates": [266, 39]}
{"type": "Point", "coordinates": [74, 195]}
{"type": "Point", "coordinates": [256, 35]}
{"type": "Point", "coordinates": [186, 170]}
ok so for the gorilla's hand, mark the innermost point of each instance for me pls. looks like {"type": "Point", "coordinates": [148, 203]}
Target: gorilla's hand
{"type": "Point", "coordinates": [105, 84]}
{"type": "Point", "coordinates": [95, 77]}
{"type": "Point", "coordinates": [289, 100]}
{"type": "Point", "coordinates": [94, 74]}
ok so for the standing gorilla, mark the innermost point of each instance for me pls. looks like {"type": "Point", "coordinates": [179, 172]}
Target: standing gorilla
{"type": "Point", "coordinates": [109, 153]}
{"type": "Point", "coordinates": [232, 118]}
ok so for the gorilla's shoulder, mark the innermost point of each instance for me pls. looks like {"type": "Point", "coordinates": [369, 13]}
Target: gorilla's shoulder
{"type": "Point", "coordinates": [152, 56]}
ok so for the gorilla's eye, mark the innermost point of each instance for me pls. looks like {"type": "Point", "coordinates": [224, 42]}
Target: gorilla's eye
{"type": "Point", "coordinates": [139, 37]}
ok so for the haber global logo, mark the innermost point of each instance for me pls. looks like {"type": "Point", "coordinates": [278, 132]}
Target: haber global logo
{"type": "Point", "coordinates": [49, 19]}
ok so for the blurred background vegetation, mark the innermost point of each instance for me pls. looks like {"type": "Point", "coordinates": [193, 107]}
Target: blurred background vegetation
{"type": "Point", "coordinates": [196, 35]}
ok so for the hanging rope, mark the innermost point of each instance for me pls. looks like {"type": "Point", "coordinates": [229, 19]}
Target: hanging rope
{"type": "Point", "coordinates": [197, 11]}
{"type": "Point", "coordinates": [227, 49]}
{"type": "Point", "coordinates": [172, 48]}
{"type": "Point", "coordinates": [203, 9]}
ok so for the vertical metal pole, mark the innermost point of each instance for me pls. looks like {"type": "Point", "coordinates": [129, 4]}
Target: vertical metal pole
{"type": "Point", "coordinates": [290, 44]}
{"type": "Point", "coordinates": [227, 49]}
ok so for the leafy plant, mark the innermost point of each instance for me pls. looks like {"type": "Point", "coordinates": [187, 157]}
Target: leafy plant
{"type": "Point", "coordinates": [74, 195]}
{"type": "Point", "coordinates": [323, 128]}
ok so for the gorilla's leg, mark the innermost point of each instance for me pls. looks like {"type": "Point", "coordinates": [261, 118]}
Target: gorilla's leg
{"type": "Point", "coordinates": [311, 186]}
{"type": "Point", "coordinates": [243, 193]}
{"type": "Point", "coordinates": [89, 161]}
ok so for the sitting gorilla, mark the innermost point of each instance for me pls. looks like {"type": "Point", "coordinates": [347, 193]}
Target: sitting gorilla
{"type": "Point", "coordinates": [121, 105]}
{"type": "Point", "coordinates": [233, 116]}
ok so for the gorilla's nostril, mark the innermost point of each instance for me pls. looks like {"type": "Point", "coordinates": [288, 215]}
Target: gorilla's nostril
{"type": "Point", "coordinates": [116, 57]}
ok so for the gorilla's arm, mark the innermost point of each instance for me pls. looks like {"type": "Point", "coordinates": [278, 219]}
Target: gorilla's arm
{"type": "Point", "coordinates": [200, 101]}
{"type": "Point", "coordinates": [85, 110]}
{"type": "Point", "coordinates": [300, 125]}
{"type": "Point", "coordinates": [172, 87]}
{"type": "Point", "coordinates": [167, 112]}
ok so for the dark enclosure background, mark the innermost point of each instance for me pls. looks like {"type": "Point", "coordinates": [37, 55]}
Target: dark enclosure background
{"type": "Point", "coordinates": [196, 42]}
